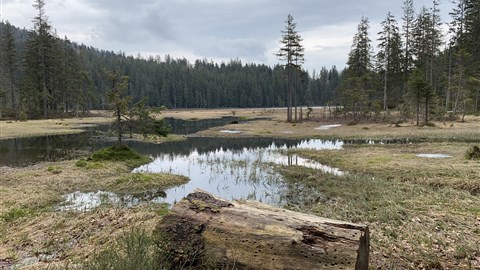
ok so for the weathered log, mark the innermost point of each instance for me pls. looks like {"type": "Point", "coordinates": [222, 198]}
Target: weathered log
{"type": "Point", "coordinates": [250, 235]}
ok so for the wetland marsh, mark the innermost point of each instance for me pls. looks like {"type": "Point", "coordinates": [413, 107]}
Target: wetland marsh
{"type": "Point", "coordinates": [425, 207]}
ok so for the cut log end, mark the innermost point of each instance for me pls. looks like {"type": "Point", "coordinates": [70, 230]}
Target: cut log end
{"type": "Point", "coordinates": [203, 229]}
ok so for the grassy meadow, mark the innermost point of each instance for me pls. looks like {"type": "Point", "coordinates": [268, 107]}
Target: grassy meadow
{"type": "Point", "coordinates": [423, 213]}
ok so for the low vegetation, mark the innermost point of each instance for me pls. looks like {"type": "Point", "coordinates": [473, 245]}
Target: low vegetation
{"type": "Point", "coordinates": [120, 153]}
{"type": "Point", "coordinates": [31, 196]}
{"type": "Point", "coordinates": [423, 213]}
{"type": "Point", "coordinates": [473, 153]}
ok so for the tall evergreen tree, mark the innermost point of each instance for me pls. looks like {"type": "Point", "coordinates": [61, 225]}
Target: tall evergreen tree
{"type": "Point", "coordinates": [10, 60]}
{"type": "Point", "coordinates": [389, 58]}
{"type": "Point", "coordinates": [359, 59]}
{"type": "Point", "coordinates": [119, 102]}
{"type": "Point", "coordinates": [356, 88]}
{"type": "Point", "coordinates": [39, 61]}
{"type": "Point", "coordinates": [408, 23]}
{"type": "Point", "coordinates": [291, 51]}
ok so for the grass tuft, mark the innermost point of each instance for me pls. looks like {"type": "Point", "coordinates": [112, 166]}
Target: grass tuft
{"type": "Point", "coordinates": [15, 214]}
{"type": "Point", "coordinates": [473, 153]}
{"type": "Point", "coordinates": [121, 153]}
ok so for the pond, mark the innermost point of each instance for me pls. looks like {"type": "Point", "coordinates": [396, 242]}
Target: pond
{"type": "Point", "coordinates": [31, 150]}
{"type": "Point", "coordinates": [232, 168]}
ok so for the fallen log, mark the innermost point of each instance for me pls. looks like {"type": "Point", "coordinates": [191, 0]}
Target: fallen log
{"type": "Point", "coordinates": [203, 230]}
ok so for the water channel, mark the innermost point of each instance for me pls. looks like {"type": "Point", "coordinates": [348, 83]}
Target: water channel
{"type": "Point", "coordinates": [232, 168]}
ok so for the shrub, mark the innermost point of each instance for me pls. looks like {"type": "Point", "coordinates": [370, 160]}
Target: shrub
{"type": "Point", "coordinates": [473, 153]}
{"type": "Point", "coordinates": [121, 153]}
{"type": "Point", "coordinates": [134, 250]}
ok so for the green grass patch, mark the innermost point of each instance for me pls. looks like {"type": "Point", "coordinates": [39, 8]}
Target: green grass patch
{"type": "Point", "coordinates": [163, 209]}
{"type": "Point", "coordinates": [15, 214]}
{"type": "Point", "coordinates": [83, 163]}
{"type": "Point", "coordinates": [121, 153]}
{"type": "Point", "coordinates": [134, 250]}
{"type": "Point", "coordinates": [140, 182]}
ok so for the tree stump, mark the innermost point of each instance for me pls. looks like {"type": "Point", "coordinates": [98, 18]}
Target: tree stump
{"type": "Point", "coordinates": [202, 229]}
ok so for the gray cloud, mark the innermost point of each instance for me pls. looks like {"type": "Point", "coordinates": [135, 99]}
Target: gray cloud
{"type": "Point", "coordinates": [215, 29]}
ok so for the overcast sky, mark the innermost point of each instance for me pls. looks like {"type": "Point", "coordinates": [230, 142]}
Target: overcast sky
{"type": "Point", "coordinates": [217, 30]}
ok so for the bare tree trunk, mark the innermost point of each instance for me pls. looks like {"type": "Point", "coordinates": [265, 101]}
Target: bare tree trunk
{"type": "Point", "coordinates": [447, 101]}
{"type": "Point", "coordinates": [252, 235]}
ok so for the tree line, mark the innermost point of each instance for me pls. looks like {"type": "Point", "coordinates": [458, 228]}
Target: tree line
{"type": "Point", "coordinates": [417, 69]}
{"type": "Point", "coordinates": [43, 75]}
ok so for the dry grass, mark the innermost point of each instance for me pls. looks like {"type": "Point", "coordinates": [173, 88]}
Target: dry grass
{"type": "Point", "coordinates": [399, 161]}
{"type": "Point", "coordinates": [199, 114]}
{"type": "Point", "coordinates": [467, 131]}
{"type": "Point", "coordinates": [9, 129]}
{"type": "Point", "coordinates": [29, 194]}
{"type": "Point", "coordinates": [423, 213]}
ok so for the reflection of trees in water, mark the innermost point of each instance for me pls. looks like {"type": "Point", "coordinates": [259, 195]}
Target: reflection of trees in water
{"type": "Point", "coordinates": [183, 127]}
{"type": "Point", "coordinates": [31, 150]}
{"type": "Point", "coordinates": [205, 145]}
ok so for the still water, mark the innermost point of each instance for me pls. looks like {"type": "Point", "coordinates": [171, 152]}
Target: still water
{"type": "Point", "coordinates": [31, 150]}
{"type": "Point", "coordinates": [235, 173]}
{"type": "Point", "coordinates": [232, 168]}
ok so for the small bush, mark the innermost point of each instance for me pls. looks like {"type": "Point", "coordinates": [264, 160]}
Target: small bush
{"type": "Point", "coordinates": [473, 153]}
{"type": "Point", "coordinates": [135, 250]}
{"type": "Point", "coordinates": [121, 153]}
{"type": "Point", "coordinates": [22, 116]}
{"type": "Point", "coordinates": [82, 163]}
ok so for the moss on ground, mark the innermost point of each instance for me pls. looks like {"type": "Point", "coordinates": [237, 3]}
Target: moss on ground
{"type": "Point", "coordinates": [120, 153]}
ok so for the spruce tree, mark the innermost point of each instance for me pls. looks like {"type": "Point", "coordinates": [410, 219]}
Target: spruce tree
{"type": "Point", "coordinates": [389, 58]}
{"type": "Point", "coordinates": [39, 64]}
{"type": "Point", "coordinates": [10, 60]}
{"type": "Point", "coordinates": [408, 23]}
{"type": "Point", "coordinates": [356, 88]}
{"type": "Point", "coordinates": [118, 101]}
{"type": "Point", "coordinates": [291, 52]}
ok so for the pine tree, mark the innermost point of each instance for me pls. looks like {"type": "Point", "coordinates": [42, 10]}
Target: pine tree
{"type": "Point", "coordinates": [40, 56]}
{"type": "Point", "coordinates": [356, 88]}
{"type": "Point", "coordinates": [359, 59]}
{"type": "Point", "coordinates": [292, 52]}
{"type": "Point", "coordinates": [419, 92]}
{"type": "Point", "coordinates": [421, 41]}
{"type": "Point", "coordinates": [408, 23]}
{"type": "Point", "coordinates": [389, 57]}
{"type": "Point", "coordinates": [118, 102]}
{"type": "Point", "coordinates": [457, 25]}
{"type": "Point", "coordinates": [435, 35]}
{"type": "Point", "coordinates": [472, 29]}
{"type": "Point", "coordinates": [10, 60]}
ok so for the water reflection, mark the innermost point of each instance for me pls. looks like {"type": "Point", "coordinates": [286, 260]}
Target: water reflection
{"type": "Point", "coordinates": [86, 201]}
{"type": "Point", "coordinates": [234, 173]}
{"type": "Point", "coordinates": [189, 127]}
{"type": "Point", "coordinates": [434, 156]}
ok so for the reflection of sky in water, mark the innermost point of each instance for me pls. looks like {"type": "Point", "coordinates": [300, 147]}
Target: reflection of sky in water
{"type": "Point", "coordinates": [236, 174]}
{"type": "Point", "coordinates": [86, 201]}
{"type": "Point", "coordinates": [434, 156]}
